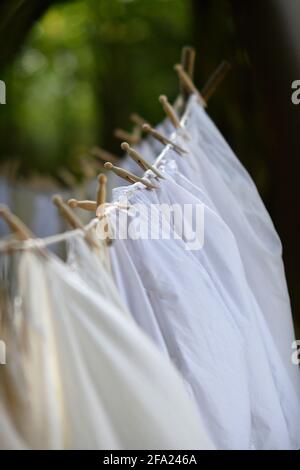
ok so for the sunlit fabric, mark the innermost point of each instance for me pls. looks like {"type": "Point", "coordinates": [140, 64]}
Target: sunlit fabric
{"type": "Point", "coordinates": [103, 376]}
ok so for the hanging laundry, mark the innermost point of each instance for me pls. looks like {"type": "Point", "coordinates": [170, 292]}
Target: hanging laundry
{"type": "Point", "coordinates": [91, 265]}
{"type": "Point", "coordinates": [9, 438]}
{"type": "Point", "coordinates": [202, 339]}
{"type": "Point", "coordinates": [178, 335]}
{"type": "Point", "coordinates": [257, 240]}
{"type": "Point", "coordinates": [121, 380]}
{"type": "Point", "coordinates": [274, 403]}
{"type": "Point", "coordinates": [29, 381]}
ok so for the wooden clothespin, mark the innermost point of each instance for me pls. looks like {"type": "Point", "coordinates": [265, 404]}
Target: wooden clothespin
{"type": "Point", "coordinates": [104, 155]}
{"type": "Point", "coordinates": [128, 176]}
{"type": "Point", "coordinates": [138, 120]}
{"type": "Point", "coordinates": [87, 205]}
{"type": "Point", "coordinates": [215, 80]}
{"type": "Point", "coordinates": [101, 192]}
{"type": "Point", "coordinates": [124, 135]}
{"type": "Point", "coordinates": [140, 160]}
{"type": "Point", "coordinates": [188, 60]}
{"type": "Point", "coordinates": [18, 227]}
{"type": "Point", "coordinates": [15, 224]}
{"type": "Point", "coordinates": [137, 133]}
{"type": "Point", "coordinates": [67, 177]}
{"type": "Point", "coordinates": [188, 55]}
{"type": "Point", "coordinates": [189, 84]}
{"type": "Point", "coordinates": [73, 220]}
{"type": "Point", "coordinates": [91, 206]}
{"type": "Point", "coordinates": [97, 206]}
{"type": "Point", "coordinates": [168, 109]}
{"type": "Point", "coordinates": [162, 139]}
{"type": "Point", "coordinates": [66, 212]}
{"type": "Point", "coordinates": [87, 168]}
{"type": "Point", "coordinates": [100, 201]}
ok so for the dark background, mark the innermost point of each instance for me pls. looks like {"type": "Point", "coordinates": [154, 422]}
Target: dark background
{"type": "Point", "coordinates": [75, 70]}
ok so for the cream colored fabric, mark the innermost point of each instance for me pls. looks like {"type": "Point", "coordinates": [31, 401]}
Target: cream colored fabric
{"type": "Point", "coordinates": [96, 382]}
{"type": "Point", "coordinates": [9, 438]}
{"type": "Point", "coordinates": [29, 381]}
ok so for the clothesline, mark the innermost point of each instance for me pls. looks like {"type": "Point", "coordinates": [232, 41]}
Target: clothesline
{"type": "Point", "coordinates": [214, 306]}
{"type": "Point", "coordinates": [13, 245]}
{"type": "Point", "coordinates": [16, 245]}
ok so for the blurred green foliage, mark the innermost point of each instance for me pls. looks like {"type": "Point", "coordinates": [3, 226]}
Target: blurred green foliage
{"type": "Point", "coordinates": [84, 67]}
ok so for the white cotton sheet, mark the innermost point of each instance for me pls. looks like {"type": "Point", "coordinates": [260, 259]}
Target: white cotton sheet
{"type": "Point", "coordinates": [201, 336]}
{"type": "Point", "coordinates": [91, 264]}
{"type": "Point", "coordinates": [116, 391]}
{"type": "Point", "coordinates": [28, 381]}
{"type": "Point", "coordinates": [217, 171]}
{"type": "Point", "coordinates": [275, 408]}
{"type": "Point", "coordinates": [130, 286]}
{"type": "Point", "coordinates": [9, 438]}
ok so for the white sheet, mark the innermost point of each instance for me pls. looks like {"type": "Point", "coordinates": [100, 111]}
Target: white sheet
{"type": "Point", "coordinates": [235, 198]}
{"type": "Point", "coordinates": [91, 264]}
{"type": "Point", "coordinates": [201, 336]}
{"type": "Point", "coordinates": [274, 403]}
{"type": "Point", "coordinates": [117, 391]}
{"type": "Point", "coordinates": [9, 438]}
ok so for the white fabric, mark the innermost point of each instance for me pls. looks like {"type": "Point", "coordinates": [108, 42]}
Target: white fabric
{"type": "Point", "coordinates": [91, 265]}
{"type": "Point", "coordinates": [202, 338]}
{"type": "Point", "coordinates": [131, 289]}
{"type": "Point", "coordinates": [9, 438]}
{"type": "Point", "coordinates": [12, 388]}
{"type": "Point", "coordinates": [117, 392]}
{"type": "Point", "coordinates": [275, 408]}
{"type": "Point", "coordinates": [28, 381]}
{"type": "Point", "coordinates": [242, 210]}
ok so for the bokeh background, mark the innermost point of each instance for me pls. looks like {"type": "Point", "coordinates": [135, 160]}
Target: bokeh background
{"type": "Point", "coordinates": [75, 70]}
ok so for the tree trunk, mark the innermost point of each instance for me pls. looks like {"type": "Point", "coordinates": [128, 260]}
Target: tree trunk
{"type": "Point", "coordinates": [16, 19]}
